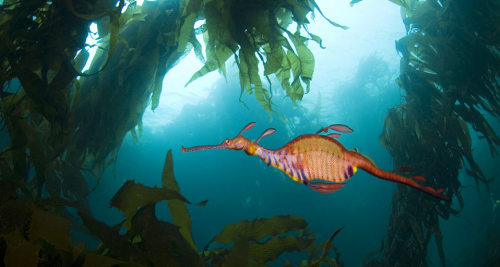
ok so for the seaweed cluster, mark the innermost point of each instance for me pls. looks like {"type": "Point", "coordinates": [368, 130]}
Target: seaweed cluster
{"type": "Point", "coordinates": [61, 125]}
{"type": "Point", "coordinates": [449, 70]}
{"type": "Point", "coordinates": [257, 31]}
{"type": "Point", "coordinates": [37, 233]}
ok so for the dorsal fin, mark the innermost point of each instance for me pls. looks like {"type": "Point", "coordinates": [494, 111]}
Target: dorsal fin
{"type": "Point", "coordinates": [336, 127]}
{"type": "Point", "coordinates": [334, 135]}
{"type": "Point", "coordinates": [266, 133]}
{"type": "Point", "coordinates": [248, 127]}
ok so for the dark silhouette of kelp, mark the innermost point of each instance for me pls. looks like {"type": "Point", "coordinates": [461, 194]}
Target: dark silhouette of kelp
{"type": "Point", "coordinates": [449, 70]}
{"type": "Point", "coordinates": [33, 234]}
{"type": "Point", "coordinates": [67, 125]}
{"type": "Point", "coordinates": [62, 127]}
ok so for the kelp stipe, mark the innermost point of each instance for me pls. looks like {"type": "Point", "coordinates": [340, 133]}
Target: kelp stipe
{"type": "Point", "coordinates": [449, 72]}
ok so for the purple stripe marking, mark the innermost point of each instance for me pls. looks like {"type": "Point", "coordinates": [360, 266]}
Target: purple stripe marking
{"type": "Point", "coordinates": [283, 161]}
{"type": "Point", "coordinates": [292, 168]}
{"type": "Point", "coordinates": [273, 158]}
{"type": "Point", "coordinates": [297, 171]}
{"type": "Point", "coordinates": [350, 171]}
{"type": "Point", "coordinates": [304, 176]}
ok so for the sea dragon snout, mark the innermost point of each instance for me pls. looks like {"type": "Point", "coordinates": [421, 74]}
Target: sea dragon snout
{"type": "Point", "coordinates": [237, 143]}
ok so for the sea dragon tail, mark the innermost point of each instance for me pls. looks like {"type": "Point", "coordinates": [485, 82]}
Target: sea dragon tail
{"type": "Point", "coordinates": [367, 165]}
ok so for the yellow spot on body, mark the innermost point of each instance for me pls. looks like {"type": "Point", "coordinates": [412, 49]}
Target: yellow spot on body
{"type": "Point", "coordinates": [354, 169]}
{"type": "Point", "coordinates": [252, 149]}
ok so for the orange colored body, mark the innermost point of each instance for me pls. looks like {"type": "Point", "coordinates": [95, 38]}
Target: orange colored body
{"type": "Point", "coordinates": [318, 161]}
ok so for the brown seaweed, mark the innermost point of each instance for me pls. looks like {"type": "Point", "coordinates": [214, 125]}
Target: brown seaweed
{"type": "Point", "coordinates": [32, 233]}
{"type": "Point", "coordinates": [248, 244]}
{"type": "Point", "coordinates": [450, 75]}
{"type": "Point", "coordinates": [255, 31]}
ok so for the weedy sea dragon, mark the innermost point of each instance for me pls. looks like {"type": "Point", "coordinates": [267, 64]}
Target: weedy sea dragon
{"type": "Point", "coordinates": [318, 161]}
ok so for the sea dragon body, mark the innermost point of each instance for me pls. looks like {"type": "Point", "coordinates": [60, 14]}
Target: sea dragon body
{"type": "Point", "coordinates": [318, 161]}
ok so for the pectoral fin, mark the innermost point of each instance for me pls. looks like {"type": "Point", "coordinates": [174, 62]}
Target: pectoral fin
{"type": "Point", "coordinates": [334, 135]}
{"type": "Point", "coordinates": [325, 187]}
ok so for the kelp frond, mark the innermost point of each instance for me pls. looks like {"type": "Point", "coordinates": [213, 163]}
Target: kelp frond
{"type": "Point", "coordinates": [449, 70]}
{"type": "Point", "coordinates": [256, 31]}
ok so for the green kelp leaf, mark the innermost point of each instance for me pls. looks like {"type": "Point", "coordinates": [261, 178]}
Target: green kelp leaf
{"type": "Point", "coordinates": [157, 87]}
{"type": "Point", "coordinates": [248, 58]}
{"type": "Point", "coordinates": [103, 26]}
{"type": "Point", "coordinates": [118, 245]}
{"type": "Point", "coordinates": [401, 3]}
{"type": "Point", "coordinates": [114, 17]}
{"type": "Point", "coordinates": [76, 186]}
{"type": "Point", "coordinates": [93, 260]}
{"type": "Point", "coordinates": [197, 48]}
{"type": "Point", "coordinates": [259, 228]}
{"type": "Point", "coordinates": [139, 127]}
{"type": "Point", "coordinates": [328, 245]}
{"type": "Point", "coordinates": [8, 187]}
{"type": "Point", "coordinates": [327, 19]}
{"type": "Point", "coordinates": [244, 77]}
{"type": "Point", "coordinates": [162, 243]}
{"type": "Point", "coordinates": [26, 228]}
{"type": "Point", "coordinates": [305, 55]}
{"type": "Point", "coordinates": [295, 91]}
{"type": "Point", "coordinates": [178, 209]}
{"type": "Point", "coordinates": [20, 252]}
{"type": "Point", "coordinates": [317, 39]}
{"type": "Point", "coordinates": [262, 95]}
{"type": "Point", "coordinates": [300, 9]}
{"type": "Point", "coordinates": [274, 247]}
{"type": "Point", "coordinates": [186, 31]}
{"type": "Point", "coordinates": [133, 133]}
{"type": "Point", "coordinates": [283, 74]}
{"type": "Point", "coordinates": [81, 59]}
{"type": "Point", "coordinates": [246, 234]}
{"type": "Point", "coordinates": [353, 2]}
{"type": "Point", "coordinates": [15, 215]}
{"type": "Point", "coordinates": [274, 56]}
{"type": "Point", "coordinates": [51, 228]}
{"type": "Point", "coordinates": [220, 44]}
{"type": "Point", "coordinates": [216, 59]}
{"type": "Point", "coordinates": [238, 254]}
{"type": "Point", "coordinates": [131, 196]}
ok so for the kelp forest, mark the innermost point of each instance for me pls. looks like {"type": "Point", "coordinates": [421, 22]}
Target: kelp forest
{"type": "Point", "coordinates": [62, 126]}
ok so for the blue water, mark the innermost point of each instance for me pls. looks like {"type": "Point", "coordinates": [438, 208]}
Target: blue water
{"type": "Point", "coordinates": [240, 187]}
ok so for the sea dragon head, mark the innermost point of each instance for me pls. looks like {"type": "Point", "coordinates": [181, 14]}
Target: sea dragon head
{"type": "Point", "coordinates": [237, 143]}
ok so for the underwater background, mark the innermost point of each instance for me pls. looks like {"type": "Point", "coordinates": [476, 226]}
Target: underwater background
{"type": "Point", "coordinates": [356, 82]}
